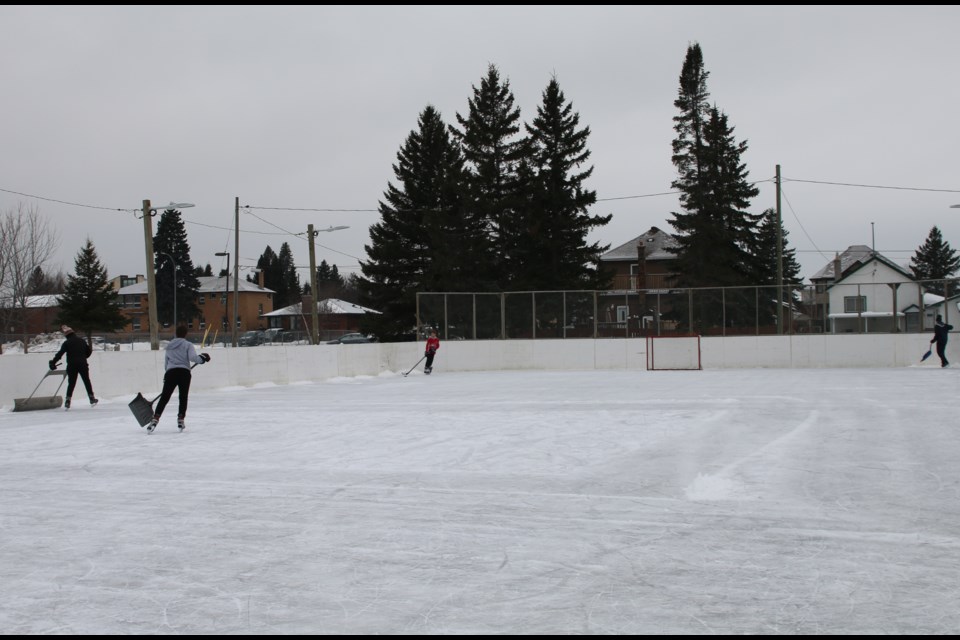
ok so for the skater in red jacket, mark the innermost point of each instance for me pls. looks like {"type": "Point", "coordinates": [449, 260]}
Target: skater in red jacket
{"type": "Point", "coordinates": [433, 343]}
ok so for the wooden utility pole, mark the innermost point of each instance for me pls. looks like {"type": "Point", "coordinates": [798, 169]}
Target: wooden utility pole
{"type": "Point", "coordinates": [151, 275]}
{"type": "Point", "coordinates": [779, 260]}
{"type": "Point", "coordinates": [313, 286]}
{"type": "Point", "coordinates": [236, 272]}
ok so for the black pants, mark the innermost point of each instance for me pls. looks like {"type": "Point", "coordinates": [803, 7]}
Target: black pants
{"type": "Point", "coordinates": [173, 379]}
{"type": "Point", "coordinates": [84, 372]}
{"type": "Point", "coordinates": [942, 352]}
{"type": "Point", "coordinates": [430, 355]}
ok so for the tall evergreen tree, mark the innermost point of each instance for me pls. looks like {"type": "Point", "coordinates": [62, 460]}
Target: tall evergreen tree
{"type": "Point", "coordinates": [548, 248]}
{"type": "Point", "coordinates": [329, 281]}
{"type": "Point", "coordinates": [715, 233]}
{"type": "Point", "coordinates": [171, 239]}
{"type": "Point", "coordinates": [423, 241]}
{"type": "Point", "coordinates": [288, 291]}
{"type": "Point", "coordinates": [934, 260]}
{"type": "Point", "coordinates": [88, 302]}
{"type": "Point", "coordinates": [765, 253]}
{"type": "Point", "coordinates": [487, 135]}
{"type": "Point", "coordinates": [269, 264]}
{"type": "Point", "coordinates": [41, 283]}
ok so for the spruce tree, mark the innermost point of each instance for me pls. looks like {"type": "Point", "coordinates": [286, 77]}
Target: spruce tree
{"type": "Point", "coordinates": [547, 239]}
{"type": "Point", "coordinates": [423, 241]}
{"type": "Point", "coordinates": [288, 291]}
{"type": "Point", "coordinates": [171, 239]}
{"type": "Point", "coordinates": [934, 261]}
{"type": "Point", "coordinates": [487, 135]}
{"type": "Point", "coordinates": [88, 302]}
{"type": "Point", "coordinates": [765, 253]}
{"type": "Point", "coordinates": [329, 281]}
{"type": "Point", "coordinates": [715, 233]}
{"type": "Point", "coordinates": [269, 264]}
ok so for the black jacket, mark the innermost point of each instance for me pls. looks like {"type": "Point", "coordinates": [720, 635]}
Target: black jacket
{"type": "Point", "coordinates": [77, 351]}
{"type": "Point", "coordinates": [940, 332]}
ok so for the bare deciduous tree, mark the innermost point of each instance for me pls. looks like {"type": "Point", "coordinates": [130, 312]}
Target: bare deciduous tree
{"type": "Point", "coordinates": [27, 242]}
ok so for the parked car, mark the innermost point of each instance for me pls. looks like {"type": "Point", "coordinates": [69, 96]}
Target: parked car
{"type": "Point", "coordinates": [252, 339]}
{"type": "Point", "coordinates": [352, 338]}
{"type": "Point", "coordinates": [274, 334]}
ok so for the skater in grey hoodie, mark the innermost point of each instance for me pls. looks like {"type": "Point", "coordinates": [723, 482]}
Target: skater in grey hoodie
{"type": "Point", "coordinates": [180, 353]}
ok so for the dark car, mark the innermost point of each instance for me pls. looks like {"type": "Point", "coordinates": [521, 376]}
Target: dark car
{"type": "Point", "coordinates": [352, 338]}
{"type": "Point", "coordinates": [252, 339]}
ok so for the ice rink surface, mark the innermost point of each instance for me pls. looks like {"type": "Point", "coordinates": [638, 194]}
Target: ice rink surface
{"type": "Point", "coordinates": [510, 502]}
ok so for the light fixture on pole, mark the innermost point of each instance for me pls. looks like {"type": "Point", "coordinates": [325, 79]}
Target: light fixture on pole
{"type": "Point", "coordinates": [148, 213]}
{"type": "Point", "coordinates": [226, 296]}
{"type": "Point", "coordinates": [174, 263]}
{"type": "Point", "coordinates": [314, 294]}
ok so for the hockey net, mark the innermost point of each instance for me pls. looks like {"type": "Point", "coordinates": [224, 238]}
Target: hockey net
{"type": "Point", "coordinates": [672, 353]}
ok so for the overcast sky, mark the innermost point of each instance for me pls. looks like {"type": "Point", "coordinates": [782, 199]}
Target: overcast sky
{"type": "Point", "coordinates": [300, 113]}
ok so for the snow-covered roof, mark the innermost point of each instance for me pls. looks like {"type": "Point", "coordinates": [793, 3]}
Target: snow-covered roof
{"type": "Point", "coordinates": [852, 259]}
{"type": "Point", "coordinates": [208, 284]}
{"type": "Point", "coordinates": [325, 306]}
{"type": "Point", "coordinates": [656, 242]}
{"type": "Point", "coordinates": [33, 302]}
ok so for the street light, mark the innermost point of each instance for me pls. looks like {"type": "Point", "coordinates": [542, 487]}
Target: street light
{"type": "Point", "coordinates": [148, 213]}
{"type": "Point", "coordinates": [315, 334]}
{"type": "Point", "coordinates": [226, 307]}
{"type": "Point", "coordinates": [174, 262]}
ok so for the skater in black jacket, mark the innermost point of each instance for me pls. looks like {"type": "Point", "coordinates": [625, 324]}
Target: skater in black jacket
{"type": "Point", "coordinates": [941, 332]}
{"type": "Point", "coordinates": [77, 351]}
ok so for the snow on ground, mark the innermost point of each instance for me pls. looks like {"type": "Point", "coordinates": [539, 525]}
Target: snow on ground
{"type": "Point", "coordinates": [520, 502]}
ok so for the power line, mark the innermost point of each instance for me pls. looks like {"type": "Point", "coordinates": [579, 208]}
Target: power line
{"type": "Point", "coordinates": [871, 186]}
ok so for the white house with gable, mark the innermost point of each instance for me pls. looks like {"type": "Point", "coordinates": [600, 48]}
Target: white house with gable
{"type": "Point", "coordinates": [869, 293]}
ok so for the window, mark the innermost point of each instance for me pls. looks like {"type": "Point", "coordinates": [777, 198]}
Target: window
{"type": "Point", "coordinates": [854, 304]}
{"type": "Point", "coordinates": [135, 324]}
{"type": "Point", "coordinates": [622, 312]}
{"type": "Point", "coordinates": [201, 299]}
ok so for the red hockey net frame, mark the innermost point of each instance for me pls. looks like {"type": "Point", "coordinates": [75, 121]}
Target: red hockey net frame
{"type": "Point", "coordinates": [691, 344]}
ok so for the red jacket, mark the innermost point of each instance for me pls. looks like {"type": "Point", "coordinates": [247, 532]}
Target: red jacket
{"type": "Point", "coordinates": [433, 343]}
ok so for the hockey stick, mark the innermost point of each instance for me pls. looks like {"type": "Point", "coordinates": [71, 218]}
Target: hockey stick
{"type": "Point", "coordinates": [205, 334]}
{"type": "Point", "coordinates": [415, 366]}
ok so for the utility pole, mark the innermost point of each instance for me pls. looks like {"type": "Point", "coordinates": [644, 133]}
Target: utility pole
{"type": "Point", "coordinates": [151, 276]}
{"type": "Point", "coordinates": [236, 271]}
{"type": "Point", "coordinates": [779, 260]}
{"type": "Point", "coordinates": [313, 287]}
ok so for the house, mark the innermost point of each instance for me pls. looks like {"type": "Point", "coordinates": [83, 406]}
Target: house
{"type": "Point", "coordinates": [38, 315]}
{"type": "Point", "coordinates": [865, 292]}
{"type": "Point", "coordinates": [335, 317]}
{"type": "Point", "coordinates": [643, 262]}
{"type": "Point", "coordinates": [641, 269]}
{"type": "Point", "coordinates": [215, 299]}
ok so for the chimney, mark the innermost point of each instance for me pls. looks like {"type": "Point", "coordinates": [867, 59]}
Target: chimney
{"type": "Point", "coordinates": [642, 262]}
{"type": "Point", "coordinates": [260, 278]}
{"type": "Point", "coordinates": [837, 271]}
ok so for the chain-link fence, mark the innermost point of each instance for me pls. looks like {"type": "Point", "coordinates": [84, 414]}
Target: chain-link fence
{"type": "Point", "coordinates": [848, 307]}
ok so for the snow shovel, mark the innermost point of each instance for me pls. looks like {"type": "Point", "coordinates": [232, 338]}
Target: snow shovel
{"type": "Point", "coordinates": [142, 408]}
{"type": "Point", "coordinates": [42, 402]}
{"type": "Point", "coordinates": [927, 354]}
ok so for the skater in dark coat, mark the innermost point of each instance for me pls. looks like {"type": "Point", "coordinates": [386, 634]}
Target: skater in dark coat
{"type": "Point", "coordinates": [941, 332]}
{"type": "Point", "coordinates": [433, 343]}
{"type": "Point", "coordinates": [179, 355]}
{"type": "Point", "coordinates": [77, 351]}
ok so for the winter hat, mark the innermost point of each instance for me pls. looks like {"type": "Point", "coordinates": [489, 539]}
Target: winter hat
{"type": "Point", "coordinates": [65, 329]}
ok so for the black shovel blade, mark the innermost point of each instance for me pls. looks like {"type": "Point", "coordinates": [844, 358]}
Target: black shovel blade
{"type": "Point", "coordinates": [142, 409]}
